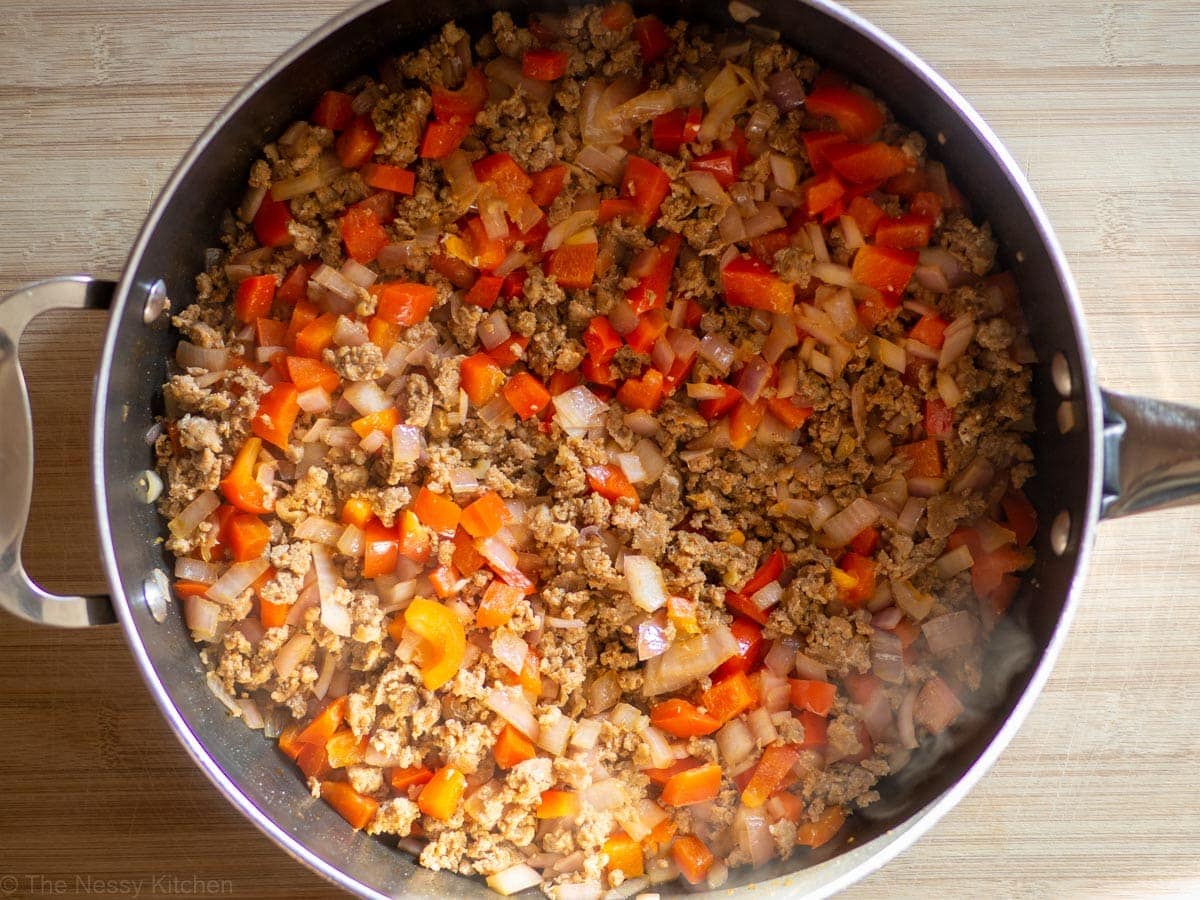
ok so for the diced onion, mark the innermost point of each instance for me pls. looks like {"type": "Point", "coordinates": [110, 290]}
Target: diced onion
{"type": "Point", "coordinates": [687, 661]}
{"type": "Point", "coordinates": [977, 475]}
{"type": "Point", "coordinates": [646, 584]}
{"type": "Point", "coordinates": [349, 333]}
{"type": "Point", "coordinates": [717, 351]}
{"type": "Point", "coordinates": [511, 650]}
{"type": "Point", "coordinates": [596, 161]}
{"type": "Point", "coordinates": [910, 515]}
{"type": "Point", "coordinates": [947, 633]}
{"type": "Point", "coordinates": [735, 742]}
{"type": "Point", "coordinates": [905, 726]}
{"type": "Point", "coordinates": [653, 462]}
{"type": "Point", "coordinates": [514, 879]}
{"type": "Point", "coordinates": [190, 569]}
{"type": "Point", "coordinates": [193, 514]}
{"type": "Point", "coordinates": [652, 639]}
{"type": "Point", "coordinates": [508, 71]}
{"type": "Point", "coordinates": [823, 511]}
{"type": "Point", "coordinates": [236, 579]}
{"type": "Point", "coordinates": [915, 604]}
{"type": "Point", "coordinates": [335, 282]}
{"type": "Point", "coordinates": [761, 726]}
{"type": "Point", "coordinates": [351, 541]}
{"type": "Point", "coordinates": [643, 108]}
{"type": "Point", "coordinates": [631, 466]}
{"type": "Point", "coordinates": [783, 170]}
{"type": "Point", "coordinates": [575, 222]}
{"type": "Point", "coordinates": [926, 486]}
{"type": "Point", "coordinates": [493, 330]}
{"type": "Point", "coordinates": [891, 355]}
{"type": "Point", "coordinates": [753, 835]}
{"type": "Point", "coordinates": [785, 90]}
{"type": "Point", "coordinates": [321, 530]}
{"type": "Point", "coordinates": [315, 400]}
{"type": "Point", "coordinates": [957, 340]}
{"type": "Point", "coordinates": [366, 397]}
{"type": "Point", "coordinates": [201, 616]}
{"type": "Point", "coordinates": [460, 175]}
{"type": "Point", "coordinates": [957, 560]}
{"type": "Point", "coordinates": [510, 704]}
{"type": "Point", "coordinates": [809, 668]}
{"type": "Point", "coordinates": [842, 527]}
{"type": "Point", "coordinates": [211, 359]}
{"type": "Point", "coordinates": [585, 735]}
{"type": "Point", "coordinates": [554, 735]}
{"type": "Point", "coordinates": [579, 408]}
{"type": "Point", "coordinates": [359, 274]}
{"type": "Point", "coordinates": [887, 656]}
{"type": "Point", "coordinates": [706, 187]}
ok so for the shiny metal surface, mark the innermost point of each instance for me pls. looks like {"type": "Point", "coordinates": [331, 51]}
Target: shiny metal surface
{"type": "Point", "coordinates": [186, 219]}
{"type": "Point", "coordinates": [19, 594]}
{"type": "Point", "coordinates": [1151, 455]}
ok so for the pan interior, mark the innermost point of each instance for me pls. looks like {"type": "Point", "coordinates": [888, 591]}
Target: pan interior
{"type": "Point", "coordinates": [186, 220]}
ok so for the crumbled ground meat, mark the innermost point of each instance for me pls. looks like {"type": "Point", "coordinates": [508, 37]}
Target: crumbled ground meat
{"type": "Point", "coordinates": [729, 487]}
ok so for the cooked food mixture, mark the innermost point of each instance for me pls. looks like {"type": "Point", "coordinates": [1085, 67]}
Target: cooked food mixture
{"type": "Point", "coordinates": [596, 454]}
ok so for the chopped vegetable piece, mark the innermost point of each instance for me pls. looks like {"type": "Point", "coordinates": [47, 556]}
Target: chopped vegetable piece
{"type": "Point", "coordinates": [601, 339]}
{"type": "Point", "coordinates": [381, 549]}
{"type": "Point", "coordinates": [443, 138]}
{"type": "Point", "coordinates": [485, 516]}
{"type": "Point", "coordinates": [498, 604]}
{"type": "Point", "coordinates": [864, 163]}
{"type": "Point", "coordinates": [693, 785]}
{"type": "Point", "coordinates": [815, 696]}
{"type": "Point", "coordinates": [437, 511]}
{"type": "Point", "coordinates": [744, 422]}
{"type": "Point", "coordinates": [939, 418]}
{"type": "Point", "coordinates": [624, 855]}
{"type": "Point", "coordinates": [693, 858]}
{"type": "Point", "coordinates": [254, 297]}
{"type": "Point", "coordinates": [502, 172]}
{"type": "Point", "coordinates": [670, 131]}
{"type": "Point", "coordinates": [573, 265]}
{"type": "Point", "coordinates": [510, 351]}
{"type": "Point", "coordinates": [747, 282]}
{"type": "Point", "coordinates": [307, 373]}
{"type": "Point", "coordinates": [884, 268]}
{"type": "Point", "coordinates": [647, 186]}
{"type": "Point", "coordinates": [357, 143]}
{"type": "Point", "coordinates": [355, 808]}
{"type": "Point", "coordinates": [313, 339]}
{"type": "Point", "coordinates": [610, 483]}
{"type": "Point", "coordinates": [721, 164]}
{"type": "Point", "coordinates": [651, 290]}
{"type": "Point", "coordinates": [788, 413]}
{"type": "Point", "coordinates": [650, 327]}
{"type": "Point", "coordinates": [642, 393]}
{"type": "Point", "coordinates": [389, 178]}
{"type": "Point", "coordinates": [345, 749]}
{"type": "Point", "coordinates": [333, 111]}
{"type": "Point", "coordinates": [907, 232]}
{"type": "Point", "coordinates": [930, 330]}
{"type": "Point", "coordinates": [548, 184]}
{"type": "Point", "coordinates": [773, 773]}
{"type": "Point", "coordinates": [362, 234]}
{"type": "Point", "coordinates": [822, 193]}
{"type": "Point", "coordinates": [239, 487]}
{"type": "Point", "coordinates": [384, 420]}
{"type": "Point", "coordinates": [277, 411]}
{"type": "Point", "coordinates": [822, 831]}
{"type": "Point", "coordinates": [402, 779]}
{"type": "Point", "coordinates": [440, 796]}
{"type": "Point", "coordinates": [652, 38]}
{"type": "Point", "coordinates": [512, 747]}
{"type": "Point", "coordinates": [682, 719]}
{"type": "Point", "coordinates": [445, 641]}
{"type": "Point", "coordinates": [403, 303]}
{"type": "Point", "coordinates": [271, 223]}
{"type": "Point", "coordinates": [526, 395]}
{"type": "Point", "coordinates": [324, 724]}
{"type": "Point", "coordinates": [247, 537]}
{"type": "Point", "coordinates": [544, 65]}
{"type": "Point", "coordinates": [752, 648]}
{"type": "Point", "coordinates": [854, 578]}
{"type": "Point", "coordinates": [485, 291]}
{"type": "Point", "coordinates": [730, 697]}
{"type": "Point", "coordinates": [463, 103]}
{"type": "Point", "coordinates": [857, 116]}
{"type": "Point", "coordinates": [925, 456]}
{"type": "Point", "coordinates": [558, 804]}
{"type": "Point", "coordinates": [481, 378]}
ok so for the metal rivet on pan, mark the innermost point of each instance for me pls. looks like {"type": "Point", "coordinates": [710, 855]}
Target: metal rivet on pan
{"type": "Point", "coordinates": [155, 591]}
{"type": "Point", "coordinates": [1066, 416]}
{"type": "Point", "coordinates": [147, 487]}
{"type": "Point", "coordinates": [1060, 374]}
{"type": "Point", "coordinates": [1060, 533]}
{"type": "Point", "coordinates": [156, 303]}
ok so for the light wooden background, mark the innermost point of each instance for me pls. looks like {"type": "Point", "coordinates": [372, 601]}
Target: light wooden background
{"type": "Point", "coordinates": [1098, 795]}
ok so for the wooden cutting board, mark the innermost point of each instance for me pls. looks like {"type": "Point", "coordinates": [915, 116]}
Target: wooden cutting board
{"type": "Point", "coordinates": [1098, 794]}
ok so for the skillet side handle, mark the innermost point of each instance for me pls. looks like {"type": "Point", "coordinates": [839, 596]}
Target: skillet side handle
{"type": "Point", "coordinates": [1151, 455]}
{"type": "Point", "coordinates": [18, 593]}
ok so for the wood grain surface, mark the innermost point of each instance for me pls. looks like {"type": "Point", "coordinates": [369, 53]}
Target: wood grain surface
{"type": "Point", "coordinates": [1098, 796]}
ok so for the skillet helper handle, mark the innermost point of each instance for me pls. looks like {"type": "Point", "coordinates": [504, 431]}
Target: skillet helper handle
{"type": "Point", "coordinates": [18, 593]}
{"type": "Point", "coordinates": [1151, 455]}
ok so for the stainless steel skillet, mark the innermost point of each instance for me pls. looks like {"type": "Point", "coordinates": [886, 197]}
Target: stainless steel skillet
{"type": "Point", "coordinates": [183, 223]}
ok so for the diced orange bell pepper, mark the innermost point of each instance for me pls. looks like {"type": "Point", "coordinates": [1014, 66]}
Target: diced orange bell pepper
{"type": "Point", "coordinates": [510, 351]}
{"type": "Point", "coordinates": [926, 203]}
{"type": "Point", "coordinates": [744, 422]}
{"type": "Point", "coordinates": [682, 719]}
{"type": "Point", "coordinates": [573, 265]}
{"type": "Point", "coordinates": [184, 588]}
{"type": "Point", "coordinates": [325, 723]}
{"type": "Point", "coordinates": [624, 854]}
{"type": "Point", "coordinates": [886, 269]}
{"type": "Point", "coordinates": [601, 339]}
{"type": "Point", "coordinates": [272, 614]}
{"type": "Point", "coordinates": [930, 330]}
{"type": "Point", "coordinates": [856, 583]}
{"type": "Point", "coordinates": [289, 741]}
{"type": "Point", "coordinates": [822, 831]}
{"type": "Point", "coordinates": [502, 172]}
{"type": "Point", "coordinates": [512, 747]}
{"type": "Point", "coordinates": [344, 748]}
{"type": "Point", "coordinates": [440, 797]}
{"type": "Point", "coordinates": [380, 549]}
{"type": "Point", "coordinates": [926, 458]}
{"type": "Point", "coordinates": [693, 858]}
{"type": "Point", "coordinates": [556, 804]}
{"type": "Point", "coordinates": [730, 697]}
{"type": "Point", "coordinates": [815, 696]}
{"type": "Point", "coordinates": [642, 393]}
{"type": "Point", "coordinates": [862, 163]}
{"type": "Point", "coordinates": [498, 604]}
{"type": "Point", "coordinates": [856, 116]}
{"type": "Point", "coordinates": [610, 483]}
{"type": "Point", "coordinates": [694, 785]}
{"type": "Point", "coordinates": [403, 303]}
{"type": "Point", "coordinates": [415, 540]}
{"type": "Point", "coordinates": [306, 373]}
{"type": "Point", "coordinates": [355, 808]}
{"type": "Point", "coordinates": [239, 487]}
{"type": "Point", "coordinates": [254, 297]}
{"type": "Point", "coordinates": [356, 511]}
{"type": "Point", "coordinates": [822, 193]}
{"type": "Point", "coordinates": [277, 411]}
{"type": "Point", "coordinates": [909, 232]}
{"type": "Point", "coordinates": [445, 640]}
{"type": "Point", "coordinates": [485, 516]}
{"type": "Point", "coordinates": [384, 420]}
{"type": "Point", "coordinates": [382, 334]}
{"type": "Point", "coordinates": [747, 282]}
{"type": "Point", "coordinates": [437, 511]}
{"type": "Point", "coordinates": [362, 235]}
{"type": "Point", "coordinates": [247, 537]}
{"type": "Point", "coordinates": [526, 394]}
{"type": "Point", "coordinates": [787, 412]}
{"type": "Point", "coordinates": [316, 336]}
{"type": "Point", "coordinates": [662, 776]}
{"type": "Point", "coordinates": [773, 773]}
{"type": "Point", "coordinates": [356, 144]}
{"type": "Point", "coordinates": [480, 377]}
{"type": "Point", "coordinates": [485, 291]}
{"type": "Point", "coordinates": [414, 776]}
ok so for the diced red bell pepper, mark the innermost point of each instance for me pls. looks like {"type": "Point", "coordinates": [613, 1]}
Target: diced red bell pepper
{"type": "Point", "coordinates": [597, 373]}
{"type": "Point", "coordinates": [721, 164]}
{"type": "Point", "coordinates": [926, 203]}
{"type": "Point", "coordinates": [816, 730]}
{"type": "Point", "coordinates": [907, 232]}
{"type": "Point", "coordinates": [873, 310]}
{"type": "Point", "coordinates": [814, 696]}
{"type": "Point", "coordinates": [652, 38]}
{"type": "Point", "coordinates": [295, 284]}
{"type": "Point", "coordinates": [443, 138]}
{"type": "Point", "coordinates": [787, 412]}
{"type": "Point", "coordinates": [488, 251]}
{"type": "Point", "coordinates": [752, 648]}
{"type": "Point", "coordinates": [866, 542]}
{"type": "Point", "coordinates": [314, 337]}
{"type": "Point", "coordinates": [307, 373]}
{"type": "Point", "coordinates": [744, 422]}
{"type": "Point", "coordinates": [857, 584]}
{"type": "Point", "coordinates": [939, 418]}
{"type": "Point", "coordinates": [381, 548]}
{"type": "Point", "coordinates": [601, 339]}
{"type": "Point", "coordinates": [926, 457]}
{"type": "Point", "coordinates": [867, 214]}
{"type": "Point", "coordinates": [650, 327]}
{"type": "Point", "coordinates": [886, 269]}
{"type": "Point", "coordinates": [822, 193]}
{"type": "Point", "coordinates": [403, 303]}
{"type": "Point", "coordinates": [502, 172]}
{"type": "Point", "coordinates": [271, 223]}
{"type": "Point", "coordinates": [573, 265]}
{"type": "Point", "coordinates": [356, 144]}
{"type": "Point", "coordinates": [464, 103]}
{"type": "Point", "coordinates": [397, 179]}
{"type": "Point", "coordinates": [526, 394]}
{"type": "Point", "coordinates": [720, 406]}
{"type": "Point", "coordinates": [748, 282]}
{"type": "Point", "coordinates": [765, 246]}
{"type": "Point", "coordinates": [514, 284]}
{"type": "Point", "coordinates": [610, 483]}
{"type": "Point", "coordinates": [544, 65]}
{"type": "Point", "coordinates": [647, 186]}
{"type": "Point", "coordinates": [303, 313]}
{"type": "Point", "coordinates": [362, 235]}
{"type": "Point", "coordinates": [510, 351]}
{"type": "Point", "coordinates": [907, 184]}
{"type": "Point", "coordinates": [1020, 517]}
{"type": "Point", "coordinates": [277, 411]}
{"type": "Point", "coordinates": [815, 145]}
{"type": "Point", "coordinates": [548, 184]}
{"type": "Point", "coordinates": [333, 111]}
{"type": "Point", "coordinates": [670, 131]}
{"type": "Point", "coordinates": [642, 393]}
{"type": "Point", "coordinates": [254, 297]}
{"type": "Point", "coordinates": [858, 117]}
{"type": "Point", "coordinates": [485, 291]}
{"type": "Point", "coordinates": [563, 381]}
{"type": "Point", "coordinates": [616, 208]}
{"type": "Point", "coordinates": [861, 163]}
{"type": "Point", "coordinates": [930, 330]}
{"type": "Point", "coordinates": [651, 290]}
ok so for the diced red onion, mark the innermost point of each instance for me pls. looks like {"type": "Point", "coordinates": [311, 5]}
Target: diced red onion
{"type": "Point", "coordinates": [334, 281]}
{"type": "Point", "coordinates": [717, 351]}
{"type": "Point", "coordinates": [315, 400]}
{"type": "Point", "coordinates": [766, 218]}
{"type": "Point", "coordinates": [887, 656]}
{"type": "Point", "coordinates": [957, 340]}
{"type": "Point", "coordinates": [905, 727]}
{"type": "Point", "coordinates": [597, 162]}
{"type": "Point", "coordinates": [349, 333]}
{"type": "Point", "coordinates": [936, 705]}
{"type": "Point", "coordinates": [491, 214]}
{"type": "Point", "coordinates": [662, 356]}
{"type": "Point", "coordinates": [843, 526]}
{"type": "Point", "coordinates": [781, 657]}
{"type": "Point", "coordinates": [926, 486]}
{"type": "Point", "coordinates": [493, 330]}
{"type": "Point", "coordinates": [782, 337]}
{"type": "Point", "coordinates": [753, 378]}
{"type": "Point", "coordinates": [753, 835]}
{"type": "Point", "coordinates": [808, 668]}
{"type": "Point", "coordinates": [508, 71]}
{"type": "Point", "coordinates": [359, 275]}
{"type": "Point", "coordinates": [687, 661]}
